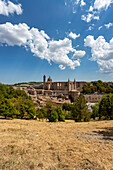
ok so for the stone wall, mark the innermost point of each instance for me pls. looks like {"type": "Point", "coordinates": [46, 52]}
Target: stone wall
{"type": "Point", "coordinates": [93, 98]}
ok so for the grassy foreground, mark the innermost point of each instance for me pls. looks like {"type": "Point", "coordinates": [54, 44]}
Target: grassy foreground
{"type": "Point", "coordinates": [36, 145]}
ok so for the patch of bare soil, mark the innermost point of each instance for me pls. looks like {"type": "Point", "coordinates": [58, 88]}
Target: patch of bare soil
{"type": "Point", "coordinates": [50, 146]}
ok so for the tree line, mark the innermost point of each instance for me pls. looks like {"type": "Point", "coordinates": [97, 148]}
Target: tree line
{"type": "Point", "coordinates": [104, 108]}
{"type": "Point", "coordinates": [77, 111]}
{"type": "Point", "coordinates": [16, 104]}
{"type": "Point", "coordinates": [97, 86]}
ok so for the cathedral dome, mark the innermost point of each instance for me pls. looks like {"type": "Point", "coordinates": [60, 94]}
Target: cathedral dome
{"type": "Point", "coordinates": [49, 79]}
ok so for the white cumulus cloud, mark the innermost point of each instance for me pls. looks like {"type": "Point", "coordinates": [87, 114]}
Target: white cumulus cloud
{"type": "Point", "coordinates": [79, 54]}
{"type": "Point", "coordinates": [9, 7]}
{"type": "Point", "coordinates": [95, 10]}
{"type": "Point", "coordinates": [89, 17]}
{"type": "Point", "coordinates": [99, 28]}
{"type": "Point", "coordinates": [58, 52]}
{"type": "Point", "coordinates": [102, 4]}
{"type": "Point", "coordinates": [108, 25]}
{"type": "Point", "coordinates": [40, 44]}
{"type": "Point", "coordinates": [91, 27]}
{"type": "Point", "coordinates": [82, 3]}
{"type": "Point", "coordinates": [77, 2]}
{"type": "Point", "coordinates": [102, 52]}
{"type": "Point", "coordinates": [14, 34]}
{"type": "Point", "coordinates": [73, 35]}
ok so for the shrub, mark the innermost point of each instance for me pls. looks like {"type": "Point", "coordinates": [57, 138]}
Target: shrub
{"type": "Point", "coordinates": [69, 116]}
{"type": "Point", "coordinates": [67, 106]}
{"type": "Point", "coordinates": [41, 114]}
{"type": "Point", "coordinates": [61, 114]}
{"type": "Point", "coordinates": [53, 116]}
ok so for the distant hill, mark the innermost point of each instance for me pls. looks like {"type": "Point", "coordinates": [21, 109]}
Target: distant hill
{"type": "Point", "coordinates": [27, 83]}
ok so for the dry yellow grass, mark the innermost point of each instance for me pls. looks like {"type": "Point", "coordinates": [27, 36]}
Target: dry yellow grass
{"type": "Point", "coordinates": [37, 145]}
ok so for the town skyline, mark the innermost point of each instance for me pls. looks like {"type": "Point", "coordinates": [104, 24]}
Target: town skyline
{"type": "Point", "coordinates": [57, 80]}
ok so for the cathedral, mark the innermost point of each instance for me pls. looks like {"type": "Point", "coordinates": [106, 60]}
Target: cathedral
{"type": "Point", "coordinates": [50, 85]}
{"type": "Point", "coordinates": [65, 86]}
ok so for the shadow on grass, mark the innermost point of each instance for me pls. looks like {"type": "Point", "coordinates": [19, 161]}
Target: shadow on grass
{"type": "Point", "coordinates": [106, 133]}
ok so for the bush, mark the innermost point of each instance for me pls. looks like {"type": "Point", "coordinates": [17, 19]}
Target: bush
{"type": "Point", "coordinates": [69, 116]}
{"type": "Point", "coordinates": [53, 116]}
{"type": "Point", "coordinates": [61, 114]}
{"type": "Point", "coordinates": [41, 114]}
{"type": "Point", "coordinates": [87, 117]}
{"type": "Point", "coordinates": [67, 106]}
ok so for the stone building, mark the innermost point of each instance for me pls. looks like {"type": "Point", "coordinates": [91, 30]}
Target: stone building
{"type": "Point", "coordinates": [50, 85]}
{"type": "Point", "coordinates": [93, 98]}
{"type": "Point", "coordinates": [64, 89]}
{"type": "Point", "coordinates": [58, 92]}
{"type": "Point", "coordinates": [67, 85]}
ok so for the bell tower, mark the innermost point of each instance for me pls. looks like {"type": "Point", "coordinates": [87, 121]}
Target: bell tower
{"type": "Point", "coordinates": [44, 81]}
{"type": "Point", "coordinates": [69, 85]}
{"type": "Point", "coordinates": [74, 84]}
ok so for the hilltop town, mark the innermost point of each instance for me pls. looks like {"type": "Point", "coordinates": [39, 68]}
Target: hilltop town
{"type": "Point", "coordinates": [58, 92]}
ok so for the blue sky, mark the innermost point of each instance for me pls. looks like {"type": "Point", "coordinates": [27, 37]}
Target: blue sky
{"type": "Point", "coordinates": [64, 39]}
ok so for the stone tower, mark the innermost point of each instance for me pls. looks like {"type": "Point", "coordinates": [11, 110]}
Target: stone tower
{"type": "Point", "coordinates": [69, 85]}
{"type": "Point", "coordinates": [49, 82]}
{"type": "Point", "coordinates": [74, 84]}
{"type": "Point", "coordinates": [44, 81]}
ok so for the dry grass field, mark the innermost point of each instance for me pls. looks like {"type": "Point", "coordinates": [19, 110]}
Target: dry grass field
{"type": "Point", "coordinates": [37, 145]}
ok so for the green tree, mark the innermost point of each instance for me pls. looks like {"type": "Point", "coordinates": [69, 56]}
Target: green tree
{"type": "Point", "coordinates": [69, 116]}
{"type": "Point", "coordinates": [41, 113]}
{"type": "Point", "coordinates": [95, 109]}
{"type": "Point", "coordinates": [106, 107]}
{"type": "Point", "coordinates": [86, 90]}
{"type": "Point", "coordinates": [80, 109]}
{"type": "Point", "coordinates": [97, 86]}
{"type": "Point", "coordinates": [61, 114]}
{"type": "Point", "coordinates": [53, 117]}
{"type": "Point", "coordinates": [15, 103]}
{"type": "Point", "coordinates": [50, 106]}
{"type": "Point", "coordinates": [67, 106]}
{"type": "Point", "coordinates": [7, 108]}
{"type": "Point", "coordinates": [30, 109]}
{"type": "Point", "coordinates": [9, 92]}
